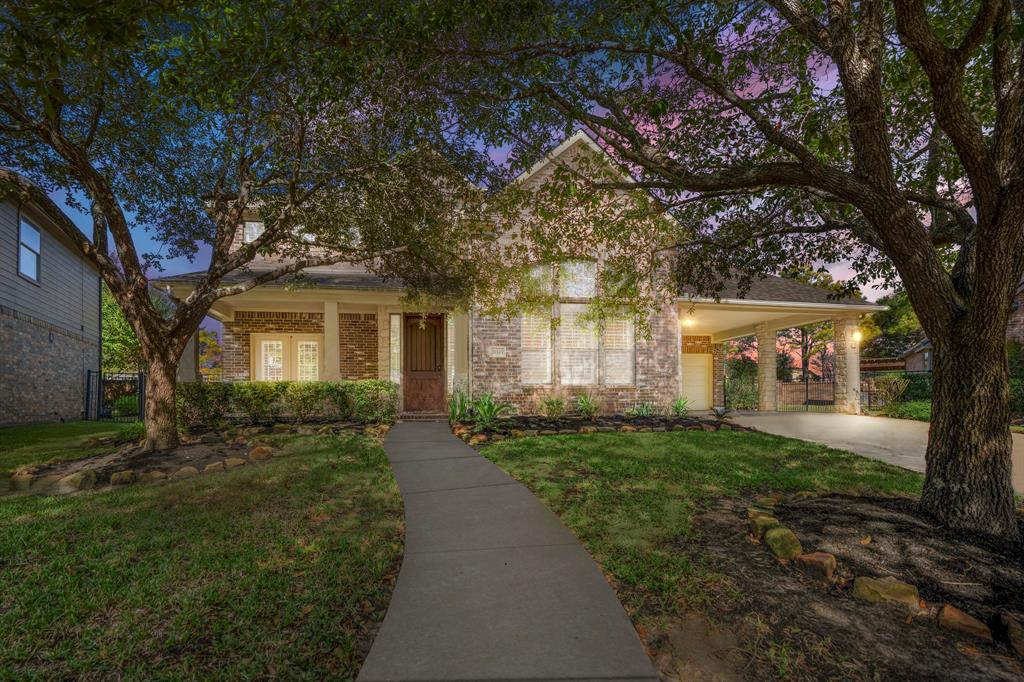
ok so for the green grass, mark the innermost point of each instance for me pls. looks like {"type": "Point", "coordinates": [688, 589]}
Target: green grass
{"type": "Point", "coordinates": [920, 410]}
{"type": "Point", "coordinates": [38, 443]}
{"type": "Point", "coordinates": [271, 570]}
{"type": "Point", "coordinates": [632, 498]}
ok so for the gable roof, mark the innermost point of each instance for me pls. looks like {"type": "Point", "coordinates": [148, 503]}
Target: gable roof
{"type": "Point", "coordinates": [773, 288]}
{"type": "Point", "coordinates": [321, 279]}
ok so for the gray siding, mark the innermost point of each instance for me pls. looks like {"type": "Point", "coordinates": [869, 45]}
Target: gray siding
{"type": "Point", "coordinates": [67, 295]}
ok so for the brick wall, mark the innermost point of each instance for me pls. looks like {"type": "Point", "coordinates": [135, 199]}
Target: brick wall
{"type": "Point", "coordinates": [496, 362]}
{"type": "Point", "coordinates": [1015, 327]}
{"type": "Point", "coordinates": [236, 335]}
{"type": "Point", "coordinates": [42, 369]}
{"type": "Point", "coordinates": [357, 340]}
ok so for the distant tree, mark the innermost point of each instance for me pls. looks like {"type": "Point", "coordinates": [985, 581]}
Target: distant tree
{"type": "Point", "coordinates": [122, 351]}
{"type": "Point", "coordinates": [888, 333]}
{"type": "Point", "coordinates": [211, 355]}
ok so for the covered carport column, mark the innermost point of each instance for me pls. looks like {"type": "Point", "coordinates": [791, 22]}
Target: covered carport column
{"type": "Point", "coordinates": [847, 346]}
{"type": "Point", "coordinates": [767, 376]}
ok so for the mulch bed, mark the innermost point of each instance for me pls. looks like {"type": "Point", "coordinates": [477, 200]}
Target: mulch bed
{"type": "Point", "coordinates": [540, 425]}
{"type": "Point", "coordinates": [829, 634]}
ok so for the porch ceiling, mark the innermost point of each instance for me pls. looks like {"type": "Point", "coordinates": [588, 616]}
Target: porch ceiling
{"type": "Point", "coordinates": [731, 320]}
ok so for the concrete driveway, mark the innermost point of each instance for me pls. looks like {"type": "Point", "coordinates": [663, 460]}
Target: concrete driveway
{"type": "Point", "coordinates": [896, 441]}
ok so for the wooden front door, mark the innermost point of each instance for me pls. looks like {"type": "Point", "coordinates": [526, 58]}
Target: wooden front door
{"type": "Point", "coordinates": [423, 363]}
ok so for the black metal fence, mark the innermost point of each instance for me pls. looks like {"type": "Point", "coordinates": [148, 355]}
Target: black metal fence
{"type": "Point", "coordinates": [806, 396]}
{"type": "Point", "coordinates": [117, 397]}
{"type": "Point", "coordinates": [918, 388]}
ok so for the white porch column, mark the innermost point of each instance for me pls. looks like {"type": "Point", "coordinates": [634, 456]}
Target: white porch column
{"type": "Point", "coordinates": [767, 378]}
{"type": "Point", "coordinates": [188, 366]}
{"type": "Point", "coordinates": [332, 345]}
{"type": "Point", "coordinates": [847, 350]}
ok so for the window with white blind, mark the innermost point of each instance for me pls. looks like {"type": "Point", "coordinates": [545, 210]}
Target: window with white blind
{"type": "Point", "coordinates": [617, 352]}
{"type": "Point", "coordinates": [535, 343]}
{"type": "Point", "coordinates": [251, 230]}
{"type": "Point", "coordinates": [577, 347]}
{"type": "Point", "coordinates": [577, 279]}
{"type": "Point", "coordinates": [287, 357]}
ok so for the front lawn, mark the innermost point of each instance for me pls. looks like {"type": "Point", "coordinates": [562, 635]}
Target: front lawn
{"type": "Point", "coordinates": [273, 570]}
{"type": "Point", "coordinates": [632, 498]}
{"type": "Point", "coordinates": [664, 514]}
{"type": "Point", "coordinates": [38, 443]}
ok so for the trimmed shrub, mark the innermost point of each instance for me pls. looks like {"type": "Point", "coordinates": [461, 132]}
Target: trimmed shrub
{"type": "Point", "coordinates": [259, 401]}
{"type": "Point", "coordinates": [203, 403]}
{"type": "Point", "coordinates": [303, 399]}
{"type": "Point", "coordinates": [374, 400]}
{"type": "Point", "coordinates": [1016, 396]}
{"type": "Point", "coordinates": [126, 406]}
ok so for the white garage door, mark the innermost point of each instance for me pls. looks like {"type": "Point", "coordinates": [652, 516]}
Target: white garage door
{"type": "Point", "coordinates": [697, 380]}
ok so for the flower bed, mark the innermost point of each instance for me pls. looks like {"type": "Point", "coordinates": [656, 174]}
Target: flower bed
{"type": "Point", "coordinates": [537, 425]}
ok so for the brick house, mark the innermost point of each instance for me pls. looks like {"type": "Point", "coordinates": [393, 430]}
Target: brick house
{"type": "Point", "coordinates": [346, 323]}
{"type": "Point", "coordinates": [49, 319]}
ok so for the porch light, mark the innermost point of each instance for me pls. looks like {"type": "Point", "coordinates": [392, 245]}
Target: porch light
{"type": "Point", "coordinates": [688, 321]}
{"type": "Point", "coordinates": [857, 336]}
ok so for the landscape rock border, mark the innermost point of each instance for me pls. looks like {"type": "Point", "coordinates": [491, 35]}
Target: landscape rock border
{"type": "Point", "coordinates": [238, 447]}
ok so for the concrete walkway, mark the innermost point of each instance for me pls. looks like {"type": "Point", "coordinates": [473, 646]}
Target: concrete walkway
{"type": "Point", "coordinates": [493, 586]}
{"type": "Point", "coordinates": [897, 441]}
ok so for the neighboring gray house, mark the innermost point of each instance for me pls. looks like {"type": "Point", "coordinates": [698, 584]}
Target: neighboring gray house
{"type": "Point", "coordinates": [49, 319]}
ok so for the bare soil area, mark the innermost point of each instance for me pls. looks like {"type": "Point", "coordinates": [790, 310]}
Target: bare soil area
{"type": "Point", "coordinates": [795, 627]}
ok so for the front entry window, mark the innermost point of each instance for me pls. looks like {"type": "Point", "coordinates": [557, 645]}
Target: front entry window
{"type": "Point", "coordinates": [287, 357]}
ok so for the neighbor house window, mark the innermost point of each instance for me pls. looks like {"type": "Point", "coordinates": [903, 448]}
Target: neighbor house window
{"type": "Point", "coordinates": [577, 347]}
{"type": "Point", "coordinates": [29, 250]}
{"type": "Point", "coordinates": [251, 230]}
{"type": "Point", "coordinates": [617, 356]}
{"type": "Point", "coordinates": [535, 342]}
{"type": "Point", "coordinates": [577, 279]}
{"type": "Point", "coordinates": [287, 357]}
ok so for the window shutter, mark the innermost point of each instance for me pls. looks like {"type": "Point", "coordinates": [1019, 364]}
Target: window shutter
{"type": "Point", "coordinates": [535, 342]}
{"type": "Point", "coordinates": [619, 357]}
{"type": "Point", "coordinates": [577, 347]}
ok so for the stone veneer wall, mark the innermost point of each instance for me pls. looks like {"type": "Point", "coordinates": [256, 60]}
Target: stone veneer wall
{"type": "Point", "coordinates": [496, 363]}
{"type": "Point", "coordinates": [42, 369]}
{"type": "Point", "coordinates": [357, 341]}
{"type": "Point", "coordinates": [236, 335]}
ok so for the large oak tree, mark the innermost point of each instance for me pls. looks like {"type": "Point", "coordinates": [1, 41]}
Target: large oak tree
{"type": "Point", "coordinates": [888, 134]}
{"type": "Point", "coordinates": [182, 118]}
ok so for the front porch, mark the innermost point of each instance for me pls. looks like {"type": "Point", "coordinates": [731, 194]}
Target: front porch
{"type": "Point", "coordinates": [278, 334]}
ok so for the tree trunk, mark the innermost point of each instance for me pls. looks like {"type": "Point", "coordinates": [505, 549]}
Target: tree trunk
{"type": "Point", "coordinates": [968, 484]}
{"type": "Point", "coordinates": [161, 410]}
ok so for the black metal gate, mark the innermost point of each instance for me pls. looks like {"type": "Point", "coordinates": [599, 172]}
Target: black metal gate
{"type": "Point", "coordinates": [117, 397]}
{"type": "Point", "coordinates": [806, 396]}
